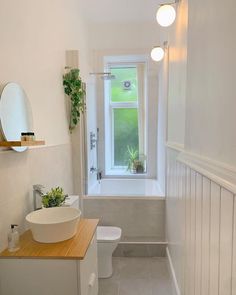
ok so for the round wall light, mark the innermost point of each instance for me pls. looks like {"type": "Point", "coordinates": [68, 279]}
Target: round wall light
{"type": "Point", "coordinates": [166, 15]}
{"type": "Point", "coordinates": [157, 53]}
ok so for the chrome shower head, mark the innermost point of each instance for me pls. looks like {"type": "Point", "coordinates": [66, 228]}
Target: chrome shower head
{"type": "Point", "coordinates": [108, 77]}
{"type": "Point", "coordinates": [105, 75]}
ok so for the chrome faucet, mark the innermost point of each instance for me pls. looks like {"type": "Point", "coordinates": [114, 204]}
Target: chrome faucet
{"type": "Point", "coordinates": [37, 190]}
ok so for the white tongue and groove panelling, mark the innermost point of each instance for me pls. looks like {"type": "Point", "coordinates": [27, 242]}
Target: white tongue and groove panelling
{"type": "Point", "coordinates": [201, 228]}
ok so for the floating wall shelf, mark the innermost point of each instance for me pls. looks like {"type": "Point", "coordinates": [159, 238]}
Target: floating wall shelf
{"type": "Point", "coordinates": [21, 143]}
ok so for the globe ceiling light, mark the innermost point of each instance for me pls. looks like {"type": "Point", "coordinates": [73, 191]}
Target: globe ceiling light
{"type": "Point", "coordinates": [157, 53]}
{"type": "Point", "coordinates": [166, 15]}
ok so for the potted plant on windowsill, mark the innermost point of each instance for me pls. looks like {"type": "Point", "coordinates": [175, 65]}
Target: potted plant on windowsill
{"type": "Point", "coordinates": [139, 166]}
{"type": "Point", "coordinates": [135, 161]}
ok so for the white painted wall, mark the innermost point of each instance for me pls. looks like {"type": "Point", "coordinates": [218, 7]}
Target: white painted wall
{"type": "Point", "coordinates": [34, 38]}
{"type": "Point", "coordinates": [123, 11]}
{"type": "Point", "coordinates": [200, 197]}
{"type": "Point", "coordinates": [211, 100]}
{"type": "Point", "coordinates": [123, 35]}
{"type": "Point", "coordinates": [107, 39]}
{"type": "Point", "coordinates": [177, 39]}
{"type": "Point", "coordinates": [162, 121]}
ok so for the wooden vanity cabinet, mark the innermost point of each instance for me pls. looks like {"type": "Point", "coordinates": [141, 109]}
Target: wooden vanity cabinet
{"type": "Point", "coordinates": [50, 276]}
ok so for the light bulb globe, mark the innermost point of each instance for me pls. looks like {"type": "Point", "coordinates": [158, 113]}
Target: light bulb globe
{"type": "Point", "coordinates": [166, 15]}
{"type": "Point", "coordinates": [157, 53]}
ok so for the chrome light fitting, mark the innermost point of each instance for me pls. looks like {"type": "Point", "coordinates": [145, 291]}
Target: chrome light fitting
{"type": "Point", "coordinates": [158, 52]}
{"type": "Point", "coordinates": [166, 14]}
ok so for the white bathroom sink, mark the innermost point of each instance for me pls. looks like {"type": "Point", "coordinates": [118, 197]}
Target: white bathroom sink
{"type": "Point", "coordinates": [52, 225]}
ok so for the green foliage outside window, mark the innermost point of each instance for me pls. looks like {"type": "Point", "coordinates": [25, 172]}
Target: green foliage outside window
{"type": "Point", "coordinates": [125, 134]}
{"type": "Point", "coordinates": [125, 120]}
{"type": "Point", "coordinates": [118, 93]}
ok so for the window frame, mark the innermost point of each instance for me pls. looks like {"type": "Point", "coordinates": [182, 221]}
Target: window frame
{"type": "Point", "coordinates": [110, 167]}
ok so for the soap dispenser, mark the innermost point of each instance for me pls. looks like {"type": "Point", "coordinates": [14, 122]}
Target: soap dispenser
{"type": "Point", "coordinates": [13, 239]}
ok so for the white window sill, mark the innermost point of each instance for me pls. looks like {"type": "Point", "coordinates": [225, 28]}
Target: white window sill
{"type": "Point", "coordinates": [124, 173]}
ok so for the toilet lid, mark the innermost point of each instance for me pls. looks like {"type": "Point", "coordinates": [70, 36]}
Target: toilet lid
{"type": "Point", "coordinates": [108, 233]}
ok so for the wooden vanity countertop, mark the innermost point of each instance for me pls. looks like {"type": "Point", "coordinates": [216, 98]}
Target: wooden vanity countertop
{"type": "Point", "coordinates": [75, 248]}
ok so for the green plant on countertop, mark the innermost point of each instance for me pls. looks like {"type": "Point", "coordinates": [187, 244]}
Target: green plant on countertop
{"type": "Point", "coordinates": [54, 198]}
{"type": "Point", "coordinates": [74, 88]}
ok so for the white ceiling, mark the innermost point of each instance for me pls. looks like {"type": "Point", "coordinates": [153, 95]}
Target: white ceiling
{"type": "Point", "coordinates": [119, 11]}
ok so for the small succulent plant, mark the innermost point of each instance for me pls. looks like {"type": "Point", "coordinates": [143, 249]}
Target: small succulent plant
{"type": "Point", "coordinates": [133, 156]}
{"type": "Point", "coordinates": [54, 198]}
{"type": "Point", "coordinates": [135, 161]}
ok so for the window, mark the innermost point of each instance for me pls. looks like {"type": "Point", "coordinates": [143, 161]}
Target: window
{"type": "Point", "coordinates": [124, 115]}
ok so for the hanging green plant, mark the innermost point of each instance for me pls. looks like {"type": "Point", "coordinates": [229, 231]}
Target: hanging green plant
{"type": "Point", "coordinates": [74, 88]}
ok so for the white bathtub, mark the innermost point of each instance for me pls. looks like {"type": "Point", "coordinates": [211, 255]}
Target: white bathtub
{"type": "Point", "coordinates": [126, 188]}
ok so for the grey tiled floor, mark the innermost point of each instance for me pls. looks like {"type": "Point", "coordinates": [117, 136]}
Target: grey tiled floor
{"type": "Point", "coordinates": [137, 276]}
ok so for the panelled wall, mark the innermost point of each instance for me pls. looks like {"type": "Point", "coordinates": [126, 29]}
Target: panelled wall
{"type": "Point", "coordinates": [201, 227]}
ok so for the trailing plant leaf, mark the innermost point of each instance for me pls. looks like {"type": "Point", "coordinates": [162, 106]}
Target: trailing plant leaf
{"type": "Point", "coordinates": [73, 87]}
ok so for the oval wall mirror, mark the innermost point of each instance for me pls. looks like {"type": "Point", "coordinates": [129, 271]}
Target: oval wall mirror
{"type": "Point", "coordinates": [15, 114]}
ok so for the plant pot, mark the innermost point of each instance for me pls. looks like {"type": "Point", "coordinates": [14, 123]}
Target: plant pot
{"type": "Point", "coordinates": [139, 169]}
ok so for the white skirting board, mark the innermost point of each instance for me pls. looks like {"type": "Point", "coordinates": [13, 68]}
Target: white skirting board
{"type": "Point", "coordinates": [172, 272]}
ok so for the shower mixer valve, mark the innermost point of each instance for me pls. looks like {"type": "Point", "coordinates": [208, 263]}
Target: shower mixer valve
{"type": "Point", "coordinates": [93, 140]}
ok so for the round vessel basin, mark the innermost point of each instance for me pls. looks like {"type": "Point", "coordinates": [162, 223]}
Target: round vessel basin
{"type": "Point", "coordinates": [52, 225]}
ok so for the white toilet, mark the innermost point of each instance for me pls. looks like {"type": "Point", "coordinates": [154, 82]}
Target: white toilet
{"type": "Point", "coordinates": [108, 238]}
